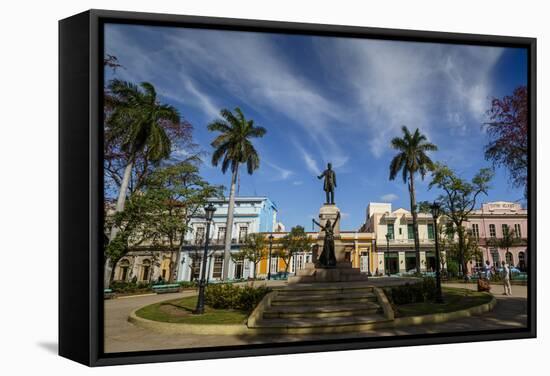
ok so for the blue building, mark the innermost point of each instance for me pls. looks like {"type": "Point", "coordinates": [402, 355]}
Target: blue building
{"type": "Point", "coordinates": [251, 215]}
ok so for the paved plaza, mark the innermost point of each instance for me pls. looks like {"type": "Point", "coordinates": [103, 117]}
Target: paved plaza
{"type": "Point", "coordinates": [121, 336]}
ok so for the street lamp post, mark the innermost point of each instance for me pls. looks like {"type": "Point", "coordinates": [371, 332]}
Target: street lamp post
{"type": "Point", "coordinates": [387, 249]}
{"type": "Point", "coordinates": [436, 211]}
{"type": "Point", "coordinates": [209, 213]}
{"type": "Point", "coordinates": [269, 260]}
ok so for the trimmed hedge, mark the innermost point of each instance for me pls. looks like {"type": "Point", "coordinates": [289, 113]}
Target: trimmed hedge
{"type": "Point", "coordinates": [129, 287]}
{"type": "Point", "coordinates": [188, 284]}
{"type": "Point", "coordinates": [229, 296]}
{"type": "Point", "coordinates": [418, 292]}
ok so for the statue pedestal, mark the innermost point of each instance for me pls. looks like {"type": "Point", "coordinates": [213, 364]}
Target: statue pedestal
{"type": "Point", "coordinates": [343, 271]}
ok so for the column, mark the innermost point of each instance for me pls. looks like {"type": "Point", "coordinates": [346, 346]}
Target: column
{"type": "Point", "coordinates": [422, 261]}
{"type": "Point", "coordinates": [380, 263]}
{"type": "Point", "coordinates": [402, 265]}
{"type": "Point", "coordinates": [443, 257]}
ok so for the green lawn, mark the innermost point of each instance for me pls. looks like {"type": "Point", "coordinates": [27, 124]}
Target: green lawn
{"type": "Point", "coordinates": [454, 300]}
{"type": "Point", "coordinates": [180, 311]}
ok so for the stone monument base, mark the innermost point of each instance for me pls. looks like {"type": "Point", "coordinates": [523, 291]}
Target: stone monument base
{"type": "Point", "coordinates": [342, 272]}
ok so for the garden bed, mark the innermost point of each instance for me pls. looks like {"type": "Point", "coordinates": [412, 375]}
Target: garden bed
{"type": "Point", "coordinates": [180, 311]}
{"type": "Point", "coordinates": [454, 300]}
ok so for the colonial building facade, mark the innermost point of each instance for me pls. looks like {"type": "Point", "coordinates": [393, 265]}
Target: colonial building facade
{"type": "Point", "coordinates": [368, 249]}
{"type": "Point", "coordinates": [396, 253]}
{"type": "Point", "coordinates": [489, 225]}
{"type": "Point", "coordinates": [359, 248]}
{"type": "Point", "coordinates": [251, 215]}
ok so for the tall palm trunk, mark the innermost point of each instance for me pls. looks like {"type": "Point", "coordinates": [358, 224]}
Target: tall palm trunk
{"type": "Point", "coordinates": [415, 220]}
{"type": "Point", "coordinates": [229, 223]}
{"type": "Point", "coordinates": [121, 200]}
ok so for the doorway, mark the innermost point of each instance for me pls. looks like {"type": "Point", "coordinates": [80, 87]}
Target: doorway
{"type": "Point", "coordinates": [391, 263]}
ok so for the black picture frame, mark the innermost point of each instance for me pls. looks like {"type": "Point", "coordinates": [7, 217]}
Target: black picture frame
{"type": "Point", "coordinates": [81, 190]}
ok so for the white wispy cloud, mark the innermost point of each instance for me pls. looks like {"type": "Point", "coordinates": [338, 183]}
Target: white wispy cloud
{"type": "Point", "coordinates": [282, 173]}
{"type": "Point", "coordinates": [415, 84]}
{"type": "Point", "coordinates": [311, 164]}
{"type": "Point", "coordinates": [389, 197]}
{"type": "Point", "coordinates": [262, 78]}
{"type": "Point", "coordinates": [368, 87]}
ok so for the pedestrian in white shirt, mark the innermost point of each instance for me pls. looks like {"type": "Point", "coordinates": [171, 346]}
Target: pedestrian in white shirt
{"type": "Point", "coordinates": [506, 279]}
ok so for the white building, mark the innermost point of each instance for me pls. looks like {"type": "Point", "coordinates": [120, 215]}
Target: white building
{"type": "Point", "coordinates": [251, 215]}
{"type": "Point", "coordinates": [396, 253]}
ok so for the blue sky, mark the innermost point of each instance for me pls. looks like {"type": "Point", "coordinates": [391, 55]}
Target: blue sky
{"type": "Point", "coordinates": [326, 99]}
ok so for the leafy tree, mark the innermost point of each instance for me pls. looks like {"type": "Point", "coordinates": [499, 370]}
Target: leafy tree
{"type": "Point", "coordinates": [176, 194]}
{"type": "Point", "coordinates": [294, 242]}
{"type": "Point", "coordinates": [458, 200]}
{"type": "Point", "coordinates": [508, 240]}
{"type": "Point", "coordinates": [132, 230]}
{"type": "Point", "coordinates": [412, 158]}
{"type": "Point", "coordinates": [138, 132]}
{"type": "Point", "coordinates": [232, 147]}
{"type": "Point", "coordinates": [254, 249]}
{"type": "Point", "coordinates": [508, 126]}
{"type": "Point", "coordinates": [470, 250]}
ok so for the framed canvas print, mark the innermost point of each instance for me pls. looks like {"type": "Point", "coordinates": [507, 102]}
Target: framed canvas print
{"type": "Point", "coordinates": [239, 187]}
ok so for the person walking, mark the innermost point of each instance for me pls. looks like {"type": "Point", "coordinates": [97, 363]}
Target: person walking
{"type": "Point", "coordinates": [487, 270]}
{"type": "Point", "coordinates": [506, 279]}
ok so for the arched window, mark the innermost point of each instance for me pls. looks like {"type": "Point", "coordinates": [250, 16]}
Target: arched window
{"type": "Point", "coordinates": [145, 270]}
{"type": "Point", "coordinates": [521, 261]}
{"type": "Point", "coordinates": [124, 266]}
{"type": "Point", "coordinates": [495, 256]}
{"type": "Point", "coordinates": [509, 258]}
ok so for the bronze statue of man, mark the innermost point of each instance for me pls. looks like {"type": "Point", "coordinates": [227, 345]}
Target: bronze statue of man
{"type": "Point", "coordinates": [330, 183]}
{"type": "Point", "coordinates": [328, 256]}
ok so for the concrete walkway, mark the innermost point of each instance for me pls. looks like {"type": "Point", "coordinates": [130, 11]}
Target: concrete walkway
{"type": "Point", "coordinates": [121, 336]}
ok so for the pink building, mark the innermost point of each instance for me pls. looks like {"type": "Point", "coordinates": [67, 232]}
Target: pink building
{"type": "Point", "coordinates": [490, 222]}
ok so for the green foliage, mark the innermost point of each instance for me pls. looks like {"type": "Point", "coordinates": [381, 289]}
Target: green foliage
{"type": "Point", "coordinates": [229, 296]}
{"type": "Point", "coordinates": [174, 194]}
{"type": "Point", "coordinates": [188, 284]}
{"type": "Point", "coordinates": [412, 155]}
{"type": "Point", "coordinates": [138, 120]}
{"type": "Point", "coordinates": [457, 201]}
{"type": "Point", "coordinates": [508, 239]}
{"type": "Point", "coordinates": [180, 311]}
{"type": "Point", "coordinates": [452, 268]}
{"type": "Point", "coordinates": [417, 292]}
{"type": "Point", "coordinates": [129, 287]}
{"type": "Point", "coordinates": [233, 146]}
{"type": "Point", "coordinates": [253, 249]}
{"type": "Point", "coordinates": [412, 158]}
{"type": "Point", "coordinates": [294, 242]}
{"type": "Point", "coordinates": [130, 224]}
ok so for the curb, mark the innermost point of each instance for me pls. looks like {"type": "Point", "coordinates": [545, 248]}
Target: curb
{"type": "Point", "coordinates": [438, 318]}
{"type": "Point", "coordinates": [214, 329]}
{"type": "Point", "coordinates": [197, 329]}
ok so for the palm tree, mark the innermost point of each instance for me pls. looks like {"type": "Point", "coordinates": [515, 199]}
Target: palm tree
{"type": "Point", "coordinates": [137, 123]}
{"type": "Point", "coordinates": [412, 158]}
{"type": "Point", "coordinates": [233, 147]}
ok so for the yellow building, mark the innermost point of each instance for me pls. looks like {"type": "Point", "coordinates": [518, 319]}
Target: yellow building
{"type": "Point", "coordinates": [359, 248]}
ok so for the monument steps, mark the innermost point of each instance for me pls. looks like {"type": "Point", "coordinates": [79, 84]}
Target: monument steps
{"type": "Point", "coordinates": [320, 308]}
{"type": "Point", "coordinates": [326, 322]}
{"type": "Point", "coordinates": [342, 298]}
{"type": "Point", "coordinates": [321, 288]}
{"type": "Point", "coordinates": [341, 310]}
